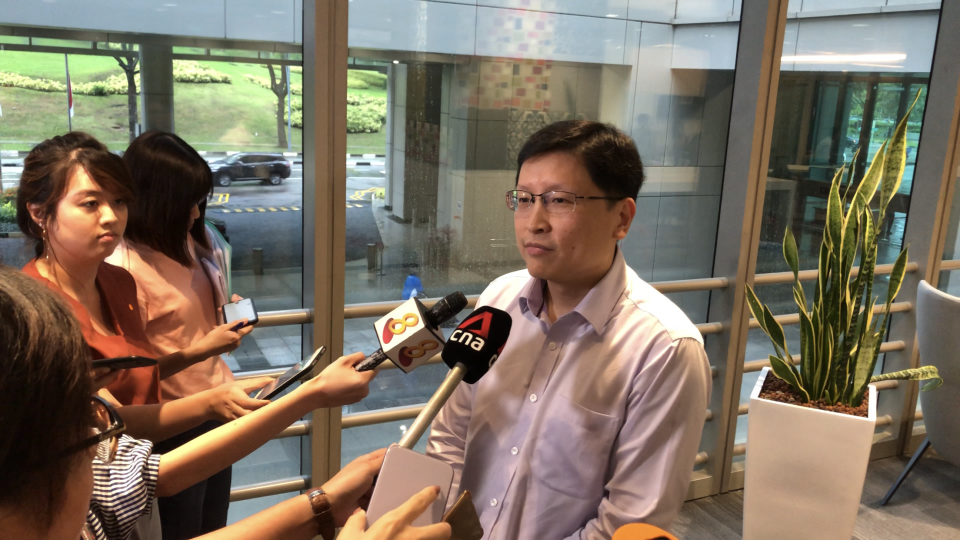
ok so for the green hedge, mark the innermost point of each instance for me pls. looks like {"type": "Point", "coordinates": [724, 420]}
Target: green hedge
{"type": "Point", "coordinates": [183, 71]}
{"type": "Point", "coordinates": [295, 89]}
{"type": "Point", "coordinates": [8, 195]}
{"type": "Point", "coordinates": [8, 213]}
{"type": "Point", "coordinates": [370, 78]}
{"type": "Point", "coordinates": [365, 114]}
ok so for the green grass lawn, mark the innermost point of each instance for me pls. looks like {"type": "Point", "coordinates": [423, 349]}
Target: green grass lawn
{"type": "Point", "coordinates": [237, 116]}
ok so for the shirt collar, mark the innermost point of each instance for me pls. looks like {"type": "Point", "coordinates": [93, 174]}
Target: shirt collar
{"type": "Point", "coordinates": [596, 306]}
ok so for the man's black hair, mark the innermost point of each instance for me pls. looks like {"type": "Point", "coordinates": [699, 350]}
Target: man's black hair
{"type": "Point", "coordinates": [608, 154]}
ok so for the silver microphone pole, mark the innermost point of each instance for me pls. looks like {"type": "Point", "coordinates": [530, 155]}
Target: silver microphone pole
{"type": "Point", "coordinates": [432, 408]}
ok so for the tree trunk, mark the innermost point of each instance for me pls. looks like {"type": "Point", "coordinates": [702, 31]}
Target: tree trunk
{"type": "Point", "coordinates": [130, 69]}
{"type": "Point", "coordinates": [132, 101]}
{"type": "Point", "coordinates": [280, 90]}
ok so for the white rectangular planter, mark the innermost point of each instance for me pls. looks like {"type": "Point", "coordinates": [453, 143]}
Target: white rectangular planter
{"type": "Point", "coordinates": [805, 469]}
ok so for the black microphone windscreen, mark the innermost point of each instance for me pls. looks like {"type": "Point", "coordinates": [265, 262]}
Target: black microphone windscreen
{"type": "Point", "coordinates": [478, 341]}
{"type": "Point", "coordinates": [446, 308]}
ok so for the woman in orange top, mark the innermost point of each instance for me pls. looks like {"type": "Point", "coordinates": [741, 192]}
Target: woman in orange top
{"type": "Point", "coordinates": [73, 202]}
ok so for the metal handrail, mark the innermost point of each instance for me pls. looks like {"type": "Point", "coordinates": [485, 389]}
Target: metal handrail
{"type": "Point", "coordinates": [380, 416]}
{"type": "Point", "coordinates": [297, 429]}
{"type": "Point", "coordinates": [758, 365]}
{"type": "Point", "coordinates": [286, 317]}
{"type": "Point", "coordinates": [265, 489]}
{"type": "Point", "coordinates": [702, 457]}
{"type": "Point", "coordinates": [949, 265]}
{"type": "Point", "coordinates": [896, 307]}
{"type": "Point", "coordinates": [810, 275]}
{"type": "Point", "coordinates": [273, 372]}
{"type": "Point", "coordinates": [379, 309]}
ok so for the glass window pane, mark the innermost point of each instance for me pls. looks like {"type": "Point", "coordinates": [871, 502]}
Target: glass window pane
{"type": "Point", "coordinates": [228, 99]}
{"type": "Point", "coordinates": [441, 97]}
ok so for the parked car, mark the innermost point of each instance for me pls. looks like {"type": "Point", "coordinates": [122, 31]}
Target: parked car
{"type": "Point", "coordinates": [267, 168]}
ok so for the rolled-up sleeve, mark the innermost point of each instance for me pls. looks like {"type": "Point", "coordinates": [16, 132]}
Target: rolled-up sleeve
{"type": "Point", "coordinates": [124, 489]}
{"type": "Point", "coordinates": [657, 444]}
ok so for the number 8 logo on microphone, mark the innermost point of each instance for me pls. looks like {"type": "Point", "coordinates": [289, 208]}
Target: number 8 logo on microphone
{"type": "Point", "coordinates": [407, 354]}
{"type": "Point", "coordinates": [395, 327]}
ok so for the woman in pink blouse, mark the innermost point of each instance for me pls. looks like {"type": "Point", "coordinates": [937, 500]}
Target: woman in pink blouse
{"type": "Point", "coordinates": [179, 289]}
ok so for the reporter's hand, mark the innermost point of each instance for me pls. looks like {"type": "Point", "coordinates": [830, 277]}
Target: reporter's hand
{"type": "Point", "coordinates": [222, 339]}
{"type": "Point", "coordinates": [102, 377]}
{"type": "Point", "coordinates": [395, 525]}
{"type": "Point", "coordinates": [339, 384]}
{"type": "Point", "coordinates": [230, 401]}
{"type": "Point", "coordinates": [350, 488]}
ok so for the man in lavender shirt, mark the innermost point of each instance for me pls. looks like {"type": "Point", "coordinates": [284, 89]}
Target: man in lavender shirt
{"type": "Point", "coordinates": [591, 417]}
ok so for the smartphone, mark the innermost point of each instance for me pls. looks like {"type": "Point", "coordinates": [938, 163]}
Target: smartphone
{"type": "Point", "coordinates": [124, 362]}
{"type": "Point", "coordinates": [292, 375]}
{"type": "Point", "coordinates": [243, 309]}
{"type": "Point", "coordinates": [403, 474]}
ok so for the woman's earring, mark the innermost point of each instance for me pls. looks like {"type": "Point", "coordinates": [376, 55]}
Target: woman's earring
{"type": "Point", "coordinates": [46, 242]}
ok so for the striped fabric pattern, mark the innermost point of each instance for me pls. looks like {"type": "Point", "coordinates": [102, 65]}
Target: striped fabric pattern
{"type": "Point", "coordinates": [123, 490]}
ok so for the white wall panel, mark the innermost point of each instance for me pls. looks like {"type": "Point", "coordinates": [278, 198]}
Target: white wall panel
{"type": "Point", "coordinates": [705, 46]}
{"type": "Point", "coordinates": [703, 9]}
{"type": "Point", "coordinates": [662, 11]}
{"type": "Point", "coordinates": [267, 20]}
{"type": "Point", "coordinates": [912, 34]}
{"type": "Point", "coordinates": [198, 18]}
{"type": "Point", "coordinates": [549, 36]}
{"type": "Point", "coordinates": [410, 25]}
{"type": "Point", "coordinates": [823, 5]}
{"type": "Point", "coordinates": [593, 8]}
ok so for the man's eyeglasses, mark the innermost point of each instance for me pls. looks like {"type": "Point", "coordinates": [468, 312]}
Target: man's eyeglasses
{"type": "Point", "coordinates": [556, 202]}
{"type": "Point", "coordinates": [107, 427]}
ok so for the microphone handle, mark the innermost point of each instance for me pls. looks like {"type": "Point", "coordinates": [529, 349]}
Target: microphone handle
{"type": "Point", "coordinates": [372, 361]}
{"type": "Point", "coordinates": [432, 408]}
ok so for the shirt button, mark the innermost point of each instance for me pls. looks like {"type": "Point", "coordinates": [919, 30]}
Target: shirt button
{"type": "Point", "coordinates": [553, 346]}
{"type": "Point", "coordinates": [493, 502]}
{"type": "Point", "coordinates": [514, 450]}
{"type": "Point", "coordinates": [533, 398]}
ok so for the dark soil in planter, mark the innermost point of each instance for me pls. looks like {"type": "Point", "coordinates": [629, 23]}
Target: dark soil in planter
{"type": "Point", "coordinates": [775, 389]}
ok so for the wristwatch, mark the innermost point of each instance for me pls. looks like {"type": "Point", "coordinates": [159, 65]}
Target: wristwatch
{"type": "Point", "coordinates": [322, 514]}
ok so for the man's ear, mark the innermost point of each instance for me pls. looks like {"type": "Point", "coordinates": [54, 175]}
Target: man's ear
{"type": "Point", "coordinates": [626, 210]}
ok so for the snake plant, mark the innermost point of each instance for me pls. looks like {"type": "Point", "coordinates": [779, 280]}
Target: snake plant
{"type": "Point", "coordinates": [839, 335]}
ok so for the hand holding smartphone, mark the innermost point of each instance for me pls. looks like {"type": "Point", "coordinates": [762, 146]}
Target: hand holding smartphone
{"type": "Point", "coordinates": [243, 309]}
{"type": "Point", "coordinates": [292, 375]}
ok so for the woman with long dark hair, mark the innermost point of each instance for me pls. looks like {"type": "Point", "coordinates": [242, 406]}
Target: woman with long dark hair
{"type": "Point", "coordinates": [72, 202]}
{"type": "Point", "coordinates": [169, 251]}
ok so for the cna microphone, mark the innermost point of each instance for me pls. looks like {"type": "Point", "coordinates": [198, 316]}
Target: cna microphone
{"type": "Point", "coordinates": [411, 331]}
{"type": "Point", "coordinates": [470, 352]}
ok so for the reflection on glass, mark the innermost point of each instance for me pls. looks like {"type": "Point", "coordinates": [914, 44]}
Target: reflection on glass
{"type": "Point", "coordinates": [440, 101]}
{"type": "Point", "coordinates": [441, 98]}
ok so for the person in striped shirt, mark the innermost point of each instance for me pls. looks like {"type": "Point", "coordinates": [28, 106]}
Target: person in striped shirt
{"type": "Point", "coordinates": [68, 472]}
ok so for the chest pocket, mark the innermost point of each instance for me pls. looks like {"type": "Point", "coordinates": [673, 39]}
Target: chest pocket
{"type": "Point", "coordinates": [573, 449]}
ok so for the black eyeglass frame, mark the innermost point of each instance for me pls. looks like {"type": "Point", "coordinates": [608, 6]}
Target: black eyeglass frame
{"type": "Point", "coordinates": [534, 196]}
{"type": "Point", "coordinates": [116, 428]}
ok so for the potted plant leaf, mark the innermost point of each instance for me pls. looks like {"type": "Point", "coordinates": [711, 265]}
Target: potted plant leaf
{"type": "Point", "coordinates": [811, 425]}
